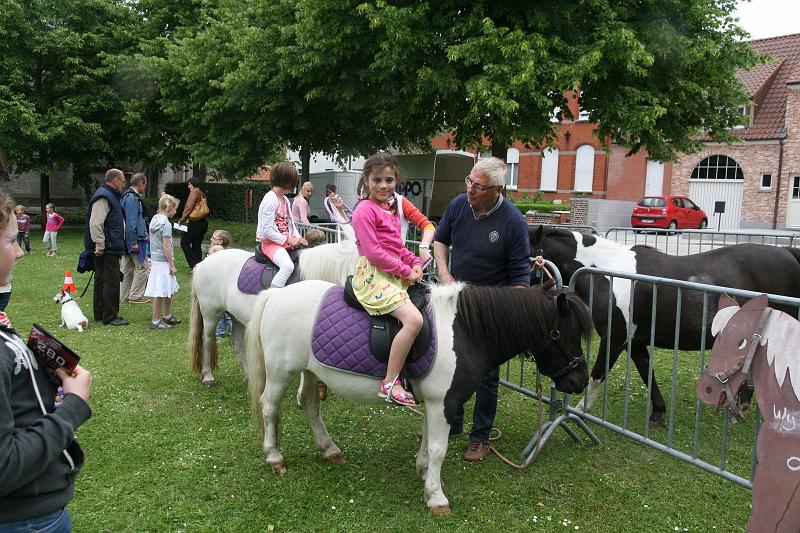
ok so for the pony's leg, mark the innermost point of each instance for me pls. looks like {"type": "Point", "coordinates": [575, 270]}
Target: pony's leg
{"type": "Point", "coordinates": [274, 389]}
{"type": "Point", "coordinates": [209, 344]}
{"type": "Point", "coordinates": [598, 376]}
{"type": "Point", "coordinates": [237, 343]}
{"type": "Point", "coordinates": [422, 455]}
{"type": "Point", "coordinates": [308, 400]}
{"type": "Point", "coordinates": [641, 358]}
{"type": "Point", "coordinates": [435, 433]}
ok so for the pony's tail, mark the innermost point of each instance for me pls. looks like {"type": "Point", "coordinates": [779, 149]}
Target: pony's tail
{"type": "Point", "coordinates": [196, 331]}
{"type": "Point", "coordinates": [255, 370]}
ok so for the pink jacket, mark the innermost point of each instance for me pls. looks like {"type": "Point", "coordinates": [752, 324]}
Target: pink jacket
{"type": "Point", "coordinates": [54, 222]}
{"type": "Point", "coordinates": [378, 239]}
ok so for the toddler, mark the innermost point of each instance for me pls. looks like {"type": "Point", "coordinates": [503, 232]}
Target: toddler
{"type": "Point", "coordinates": [161, 284]}
{"type": "Point", "coordinates": [23, 228]}
{"type": "Point", "coordinates": [53, 222]}
{"type": "Point", "coordinates": [220, 240]}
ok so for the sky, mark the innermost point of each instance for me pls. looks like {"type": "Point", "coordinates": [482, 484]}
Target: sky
{"type": "Point", "coordinates": [769, 18]}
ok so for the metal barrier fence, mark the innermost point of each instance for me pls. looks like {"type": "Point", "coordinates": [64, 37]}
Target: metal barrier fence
{"type": "Point", "coordinates": [692, 241]}
{"type": "Point", "coordinates": [692, 434]}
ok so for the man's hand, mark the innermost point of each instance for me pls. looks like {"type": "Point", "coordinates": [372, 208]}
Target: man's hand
{"type": "Point", "coordinates": [79, 382]}
{"type": "Point", "coordinates": [98, 253]}
{"type": "Point", "coordinates": [135, 248]}
{"type": "Point", "coordinates": [446, 277]}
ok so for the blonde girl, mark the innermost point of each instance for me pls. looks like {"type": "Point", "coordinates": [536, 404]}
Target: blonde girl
{"type": "Point", "coordinates": [162, 284]}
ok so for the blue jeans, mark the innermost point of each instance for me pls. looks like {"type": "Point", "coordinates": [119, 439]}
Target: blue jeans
{"type": "Point", "coordinates": [4, 298]}
{"type": "Point", "coordinates": [485, 407]}
{"type": "Point", "coordinates": [55, 522]}
{"type": "Point", "coordinates": [21, 237]}
{"type": "Point", "coordinates": [224, 325]}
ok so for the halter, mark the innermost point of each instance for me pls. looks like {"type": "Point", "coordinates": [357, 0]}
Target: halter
{"type": "Point", "coordinates": [743, 365]}
{"type": "Point", "coordinates": [555, 338]}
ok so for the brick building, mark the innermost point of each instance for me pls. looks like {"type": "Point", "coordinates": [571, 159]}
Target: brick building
{"type": "Point", "coordinates": [759, 178]}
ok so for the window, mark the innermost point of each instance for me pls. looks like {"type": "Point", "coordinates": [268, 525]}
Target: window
{"type": "Point", "coordinates": [653, 202]}
{"type": "Point", "coordinates": [796, 188]}
{"type": "Point", "coordinates": [747, 117]}
{"type": "Point", "coordinates": [584, 168]}
{"type": "Point", "coordinates": [677, 202]}
{"type": "Point", "coordinates": [688, 204]}
{"type": "Point", "coordinates": [512, 160]}
{"type": "Point", "coordinates": [766, 182]}
{"type": "Point", "coordinates": [583, 116]}
{"type": "Point", "coordinates": [549, 180]}
{"type": "Point", "coordinates": [555, 116]}
{"type": "Point", "coordinates": [717, 167]}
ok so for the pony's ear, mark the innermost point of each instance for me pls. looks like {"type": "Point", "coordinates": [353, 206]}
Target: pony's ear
{"type": "Point", "coordinates": [727, 308]}
{"type": "Point", "coordinates": [535, 234]}
{"type": "Point", "coordinates": [562, 304]}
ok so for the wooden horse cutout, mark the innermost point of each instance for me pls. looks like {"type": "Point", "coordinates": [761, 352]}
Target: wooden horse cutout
{"type": "Point", "coordinates": [758, 345]}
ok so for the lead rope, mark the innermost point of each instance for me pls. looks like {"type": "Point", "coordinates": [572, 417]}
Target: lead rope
{"type": "Point", "coordinates": [538, 262]}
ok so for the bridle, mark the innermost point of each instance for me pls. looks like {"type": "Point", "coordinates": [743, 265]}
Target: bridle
{"type": "Point", "coordinates": [555, 338]}
{"type": "Point", "coordinates": [743, 365]}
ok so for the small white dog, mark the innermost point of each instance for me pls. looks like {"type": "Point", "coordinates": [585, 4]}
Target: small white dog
{"type": "Point", "coordinates": [71, 314]}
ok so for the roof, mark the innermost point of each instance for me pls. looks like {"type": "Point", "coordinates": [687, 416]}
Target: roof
{"type": "Point", "coordinates": [767, 85]}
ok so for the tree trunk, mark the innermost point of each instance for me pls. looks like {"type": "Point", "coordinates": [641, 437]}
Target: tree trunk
{"type": "Point", "coordinates": [305, 162]}
{"type": "Point", "coordinates": [499, 149]}
{"type": "Point", "coordinates": [44, 193]}
{"type": "Point", "coordinates": [199, 171]}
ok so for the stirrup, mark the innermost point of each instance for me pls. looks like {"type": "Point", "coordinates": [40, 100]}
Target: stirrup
{"type": "Point", "coordinates": [404, 398]}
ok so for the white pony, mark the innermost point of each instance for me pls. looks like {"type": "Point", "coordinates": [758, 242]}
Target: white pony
{"type": "Point", "coordinates": [214, 291]}
{"type": "Point", "coordinates": [477, 329]}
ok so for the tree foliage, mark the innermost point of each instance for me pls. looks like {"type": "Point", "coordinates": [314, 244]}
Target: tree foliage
{"type": "Point", "coordinates": [58, 107]}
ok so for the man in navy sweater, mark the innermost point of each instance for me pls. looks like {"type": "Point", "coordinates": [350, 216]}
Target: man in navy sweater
{"type": "Point", "coordinates": [482, 239]}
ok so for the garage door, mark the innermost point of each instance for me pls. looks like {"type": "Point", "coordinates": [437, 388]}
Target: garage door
{"type": "Point", "coordinates": [706, 193]}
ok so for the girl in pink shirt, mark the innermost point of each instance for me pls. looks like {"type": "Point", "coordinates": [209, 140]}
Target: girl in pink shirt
{"type": "Point", "coordinates": [386, 267]}
{"type": "Point", "coordinates": [53, 222]}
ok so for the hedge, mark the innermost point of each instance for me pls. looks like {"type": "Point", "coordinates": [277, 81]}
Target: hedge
{"type": "Point", "coordinates": [541, 207]}
{"type": "Point", "coordinates": [225, 200]}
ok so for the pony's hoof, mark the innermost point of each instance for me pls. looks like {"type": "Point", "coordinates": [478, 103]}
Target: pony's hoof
{"type": "Point", "coordinates": [657, 420]}
{"type": "Point", "coordinates": [336, 458]}
{"type": "Point", "coordinates": [441, 510]}
{"type": "Point", "coordinates": [279, 468]}
{"type": "Point", "coordinates": [210, 383]}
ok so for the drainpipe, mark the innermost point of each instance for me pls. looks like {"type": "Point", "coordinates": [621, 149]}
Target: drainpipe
{"type": "Point", "coordinates": [782, 137]}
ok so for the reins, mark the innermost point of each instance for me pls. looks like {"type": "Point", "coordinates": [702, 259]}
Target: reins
{"type": "Point", "coordinates": [743, 365]}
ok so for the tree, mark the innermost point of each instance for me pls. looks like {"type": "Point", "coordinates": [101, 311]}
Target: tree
{"type": "Point", "coordinates": [651, 74]}
{"type": "Point", "coordinates": [58, 106]}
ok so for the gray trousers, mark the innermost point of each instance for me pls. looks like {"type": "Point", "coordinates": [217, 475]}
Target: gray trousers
{"type": "Point", "coordinates": [134, 278]}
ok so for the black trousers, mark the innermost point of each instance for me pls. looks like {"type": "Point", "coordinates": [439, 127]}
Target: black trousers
{"type": "Point", "coordinates": [192, 241]}
{"type": "Point", "coordinates": [106, 287]}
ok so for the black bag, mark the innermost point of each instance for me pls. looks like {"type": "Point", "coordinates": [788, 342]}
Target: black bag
{"type": "Point", "coordinates": [85, 262]}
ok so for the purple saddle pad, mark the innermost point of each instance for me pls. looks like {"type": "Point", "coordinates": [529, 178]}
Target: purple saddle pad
{"type": "Point", "coordinates": [250, 277]}
{"type": "Point", "coordinates": [341, 339]}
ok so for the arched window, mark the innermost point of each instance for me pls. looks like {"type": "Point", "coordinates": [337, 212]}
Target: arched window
{"type": "Point", "coordinates": [717, 167]}
{"type": "Point", "coordinates": [549, 170]}
{"type": "Point", "coordinates": [584, 168]}
{"type": "Point", "coordinates": [512, 160]}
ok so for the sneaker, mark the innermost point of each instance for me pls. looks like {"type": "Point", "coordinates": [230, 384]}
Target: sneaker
{"type": "Point", "coordinates": [171, 320]}
{"type": "Point", "coordinates": [141, 300]}
{"type": "Point", "coordinates": [119, 321]}
{"type": "Point", "coordinates": [477, 451]}
{"type": "Point", "coordinates": [159, 325]}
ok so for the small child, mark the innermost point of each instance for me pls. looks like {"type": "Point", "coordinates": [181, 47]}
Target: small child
{"type": "Point", "coordinates": [53, 222]}
{"type": "Point", "coordinates": [220, 240]}
{"type": "Point", "coordinates": [386, 267]}
{"type": "Point", "coordinates": [23, 228]}
{"type": "Point", "coordinates": [161, 284]}
{"type": "Point", "coordinates": [315, 237]}
{"type": "Point", "coordinates": [276, 230]}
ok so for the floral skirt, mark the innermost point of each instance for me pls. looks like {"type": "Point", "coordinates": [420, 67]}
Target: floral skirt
{"type": "Point", "coordinates": [380, 293]}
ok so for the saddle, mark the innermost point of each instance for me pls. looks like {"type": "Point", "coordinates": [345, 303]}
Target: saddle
{"type": "Point", "coordinates": [384, 328]}
{"type": "Point", "coordinates": [341, 339]}
{"type": "Point", "coordinates": [258, 271]}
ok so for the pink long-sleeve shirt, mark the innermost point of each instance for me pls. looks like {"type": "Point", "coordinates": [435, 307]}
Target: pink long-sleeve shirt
{"type": "Point", "coordinates": [54, 222]}
{"type": "Point", "coordinates": [378, 239]}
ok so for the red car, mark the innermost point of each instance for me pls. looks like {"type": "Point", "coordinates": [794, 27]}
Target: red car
{"type": "Point", "coordinates": [668, 212]}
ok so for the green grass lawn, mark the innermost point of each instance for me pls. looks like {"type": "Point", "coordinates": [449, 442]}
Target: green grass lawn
{"type": "Point", "coordinates": [164, 453]}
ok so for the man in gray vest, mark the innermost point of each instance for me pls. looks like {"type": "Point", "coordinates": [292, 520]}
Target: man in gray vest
{"type": "Point", "coordinates": [135, 266]}
{"type": "Point", "coordinates": [105, 236]}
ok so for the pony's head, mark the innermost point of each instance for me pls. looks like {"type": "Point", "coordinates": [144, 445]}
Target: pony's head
{"type": "Point", "coordinates": [731, 357]}
{"type": "Point", "coordinates": [558, 246]}
{"type": "Point", "coordinates": [500, 322]}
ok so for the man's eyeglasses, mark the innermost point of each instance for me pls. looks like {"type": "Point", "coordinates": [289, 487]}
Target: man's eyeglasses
{"type": "Point", "coordinates": [480, 188]}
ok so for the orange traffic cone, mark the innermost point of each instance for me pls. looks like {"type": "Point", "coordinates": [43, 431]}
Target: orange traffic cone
{"type": "Point", "coordinates": [69, 285]}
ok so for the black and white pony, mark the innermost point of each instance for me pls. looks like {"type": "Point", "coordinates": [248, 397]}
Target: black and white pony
{"type": "Point", "coordinates": [215, 290]}
{"type": "Point", "coordinates": [754, 267]}
{"type": "Point", "coordinates": [477, 329]}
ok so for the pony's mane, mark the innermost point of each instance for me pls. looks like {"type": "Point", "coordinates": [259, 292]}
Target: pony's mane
{"type": "Point", "coordinates": [329, 262]}
{"type": "Point", "coordinates": [782, 333]}
{"type": "Point", "coordinates": [513, 320]}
